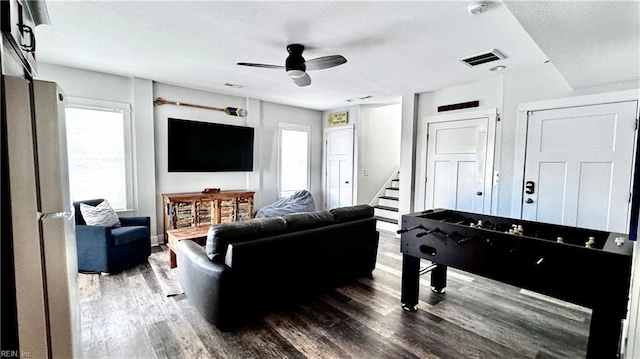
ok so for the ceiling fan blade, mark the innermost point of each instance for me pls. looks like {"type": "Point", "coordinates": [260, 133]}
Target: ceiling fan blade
{"type": "Point", "coordinates": [325, 62]}
{"type": "Point", "coordinates": [302, 81]}
{"type": "Point", "coordinates": [260, 65]}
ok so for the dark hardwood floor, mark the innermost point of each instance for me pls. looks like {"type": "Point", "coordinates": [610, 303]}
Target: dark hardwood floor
{"type": "Point", "coordinates": [127, 315]}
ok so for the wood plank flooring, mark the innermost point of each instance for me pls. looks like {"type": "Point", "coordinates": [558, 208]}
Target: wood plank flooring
{"type": "Point", "coordinates": [126, 315]}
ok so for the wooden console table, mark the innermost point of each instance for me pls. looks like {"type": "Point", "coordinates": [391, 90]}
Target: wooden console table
{"type": "Point", "coordinates": [196, 209]}
{"type": "Point", "coordinates": [196, 234]}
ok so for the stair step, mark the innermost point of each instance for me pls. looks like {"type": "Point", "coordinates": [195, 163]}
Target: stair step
{"type": "Point", "coordinates": [389, 198]}
{"type": "Point", "coordinates": [393, 192]}
{"type": "Point", "coordinates": [384, 219]}
{"type": "Point", "coordinates": [384, 213]}
{"type": "Point", "coordinates": [390, 228]}
{"type": "Point", "coordinates": [387, 208]}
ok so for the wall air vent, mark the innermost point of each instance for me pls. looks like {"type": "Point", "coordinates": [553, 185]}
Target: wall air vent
{"type": "Point", "coordinates": [483, 58]}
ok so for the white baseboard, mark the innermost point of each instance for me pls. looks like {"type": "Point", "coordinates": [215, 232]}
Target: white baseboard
{"type": "Point", "coordinates": [154, 241]}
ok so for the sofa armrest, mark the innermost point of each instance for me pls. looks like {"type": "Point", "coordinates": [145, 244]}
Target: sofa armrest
{"type": "Point", "coordinates": [208, 285]}
{"type": "Point", "coordinates": [135, 221]}
{"type": "Point", "coordinates": [93, 236]}
{"type": "Point", "coordinates": [92, 243]}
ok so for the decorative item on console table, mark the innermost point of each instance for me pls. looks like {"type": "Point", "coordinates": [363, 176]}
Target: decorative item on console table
{"type": "Point", "coordinates": [196, 209]}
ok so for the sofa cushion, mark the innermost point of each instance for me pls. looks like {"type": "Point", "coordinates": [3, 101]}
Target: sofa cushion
{"type": "Point", "coordinates": [346, 214]}
{"type": "Point", "coordinates": [221, 235]}
{"type": "Point", "coordinates": [125, 235]}
{"type": "Point", "coordinates": [307, 220]}
{"type": "Point", "coordinates": [100, 215]}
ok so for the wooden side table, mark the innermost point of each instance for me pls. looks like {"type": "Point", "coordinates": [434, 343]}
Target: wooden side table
{"type": "Point", "coordinates": [196, 234]}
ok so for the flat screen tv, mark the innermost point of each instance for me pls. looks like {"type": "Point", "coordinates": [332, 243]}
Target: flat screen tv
{"type": "Point", "coordinates": [196, 146]}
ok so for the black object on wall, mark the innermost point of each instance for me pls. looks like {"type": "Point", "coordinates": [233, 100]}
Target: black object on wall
{"type": "Point", "coordinates": [196, 146]}
{"type": "Point", "coordinates": [458, 106]}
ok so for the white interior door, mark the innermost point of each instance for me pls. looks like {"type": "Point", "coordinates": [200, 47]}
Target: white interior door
{"type": "Point", "coordinates": [339, 165]}
{"type": "Point", "coordinates": [578, 166]}
{"type": "Point", "coordinates": [457, 160]}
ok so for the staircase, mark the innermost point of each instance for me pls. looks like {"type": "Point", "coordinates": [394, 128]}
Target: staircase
{"type": "Point", "coordinates": [387, 209]}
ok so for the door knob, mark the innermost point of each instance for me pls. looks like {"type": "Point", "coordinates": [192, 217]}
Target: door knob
{"type": "Point", "coordinates": [529, 200]}
{"type": "Point", "coordinates": [346, 182]}
{"type": "Point", "coordinates": [479, 193]}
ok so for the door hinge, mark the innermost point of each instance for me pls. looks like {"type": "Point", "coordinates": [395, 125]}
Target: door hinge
{"type": "Point", "coordinates": [427, 137]}
{"type": "Point", "coordinates": [425, 179]}
{"type": "Point", "coordinates": [636, 123]}
{"type": "Point", "coordinates": [630, 196]}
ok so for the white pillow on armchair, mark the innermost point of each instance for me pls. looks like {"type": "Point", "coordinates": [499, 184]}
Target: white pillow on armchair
{"type": "Point", "coordinates": [100, 215]}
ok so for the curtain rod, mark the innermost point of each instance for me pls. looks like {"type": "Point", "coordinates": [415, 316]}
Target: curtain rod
{"type": "Point", "coordinates": [232, 111]}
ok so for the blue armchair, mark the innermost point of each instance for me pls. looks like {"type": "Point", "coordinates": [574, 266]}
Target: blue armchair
{"type": "Point", "coordinates": [111, 249]}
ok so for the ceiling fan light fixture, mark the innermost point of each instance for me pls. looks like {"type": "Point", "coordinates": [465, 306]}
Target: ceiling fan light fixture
{"type": "Point", "coordinates": [295, 74]}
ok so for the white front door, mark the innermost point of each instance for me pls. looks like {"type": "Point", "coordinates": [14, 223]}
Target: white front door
{"type": "Point", "coordinates": [457, 159]}
{"type": "Point", "coordinates": [339, 165]}
{"type": "Point", "coordinates": [578, 166]}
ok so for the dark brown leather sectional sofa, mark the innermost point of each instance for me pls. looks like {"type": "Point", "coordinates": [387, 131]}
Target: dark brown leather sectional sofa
{"type": "Point", "coordinates": [252, 267]}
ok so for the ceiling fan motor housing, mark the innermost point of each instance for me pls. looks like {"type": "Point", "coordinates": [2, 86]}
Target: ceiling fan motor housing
{"type": "Point", "coordinates": [294, 65]}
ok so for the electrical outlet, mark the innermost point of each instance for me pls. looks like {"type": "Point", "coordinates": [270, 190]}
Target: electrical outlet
{"type": "Point", "coordinates": [366, 171]}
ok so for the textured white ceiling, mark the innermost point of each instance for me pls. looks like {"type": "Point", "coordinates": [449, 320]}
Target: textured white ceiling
{"type": "Point", "coordinates": [392, 47]}
{"type": "Point", "coordinates": [591, 43]}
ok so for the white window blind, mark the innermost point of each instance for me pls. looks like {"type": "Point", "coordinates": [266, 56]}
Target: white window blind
{"type": "Point", "coordinates": [98, 147]}
{"type": "Point", "coordinates": [294, 161]}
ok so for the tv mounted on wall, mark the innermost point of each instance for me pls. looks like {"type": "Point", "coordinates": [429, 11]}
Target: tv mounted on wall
{"type": "Point", "coordinates": [196, 146]}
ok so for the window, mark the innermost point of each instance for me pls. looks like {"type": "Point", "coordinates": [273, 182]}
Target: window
{"type": "Point", "coordinates": [293, 162]}
{"type": "Point", "coordinates": [99, 151]}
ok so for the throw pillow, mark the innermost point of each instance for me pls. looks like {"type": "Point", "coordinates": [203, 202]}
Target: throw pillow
{"type": "Point", "coordinates": [100, 215]}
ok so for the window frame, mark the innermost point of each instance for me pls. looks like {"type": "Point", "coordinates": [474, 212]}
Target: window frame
{"type": "Point", "coordinates": [293, 127]}
{"type": "Point", "coordinates": [125, 109]}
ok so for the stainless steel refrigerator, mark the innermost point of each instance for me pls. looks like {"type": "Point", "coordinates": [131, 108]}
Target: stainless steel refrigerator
{"type": "Point", "coordinates": [42, 224]}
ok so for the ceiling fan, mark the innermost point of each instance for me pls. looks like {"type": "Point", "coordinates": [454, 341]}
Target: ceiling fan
{"type": "Point", "coordinates": [296, 66]}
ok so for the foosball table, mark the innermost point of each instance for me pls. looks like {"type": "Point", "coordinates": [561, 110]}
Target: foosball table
{"type": "Point", "coordinates": [587, 267]}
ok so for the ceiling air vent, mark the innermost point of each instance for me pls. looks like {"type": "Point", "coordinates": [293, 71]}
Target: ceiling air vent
{"type": "Point", "coordinates": [476, 60]}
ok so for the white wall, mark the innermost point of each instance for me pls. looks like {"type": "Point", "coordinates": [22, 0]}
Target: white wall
{"type": "Point", "coordinates": [408, 139]}
{"type": "Point", "coordinates": [488, 93]}
{"type": "Point", "coordinates": [88, 84]}
{"type": "Point", "coordinates": [134, 91]}
{"type": "Point", "coordinates": [376, 147]}
{"type": "Point", "coordinates": [149, 133]}
{"type": "Point", "coordinates": [263, 116]}
{"type": "Point", "coordinates": [273, 114]}
{"type": "Point", "coordinates": [378, 134]}
{"type": "Point", "coordinates": [507, 92]}
{"type": "Point", "coordinates": [172, 182]}
{"type": "Point", "coordinates": [537, 83]}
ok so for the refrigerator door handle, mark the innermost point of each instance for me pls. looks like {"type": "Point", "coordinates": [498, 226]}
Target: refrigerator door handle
{"type": "Point", "coordinates": [53, 215]}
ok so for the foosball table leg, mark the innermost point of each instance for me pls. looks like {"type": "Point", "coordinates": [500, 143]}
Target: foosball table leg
{"type": "Point", "coordinates": [439, 279]}
{"type": "Point", "coordinates": [604, 333]}
{"type": "Point", "coordinates": [410, 282]}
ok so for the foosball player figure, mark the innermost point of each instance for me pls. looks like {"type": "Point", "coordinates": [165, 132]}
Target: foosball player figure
{"type": "Point", "coordinates": [559, 240]}
{"type": "Point", "coordinates": [520, 230]}
{"type": "Point", "coordinates": [590, 242]}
